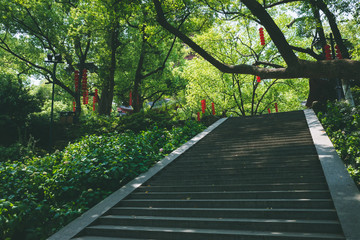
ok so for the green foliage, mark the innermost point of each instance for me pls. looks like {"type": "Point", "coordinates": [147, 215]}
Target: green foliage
{"type": "Point", "coordinates": [12, 152]}
{"type": "Point", "coordinates": [52, 190]}
{"type": "Point", "coordinates": [342, 124]}
{"type": "Point", "coordinates": [143, 120]}
{"type": "Point", "coordinates": [16, 104]}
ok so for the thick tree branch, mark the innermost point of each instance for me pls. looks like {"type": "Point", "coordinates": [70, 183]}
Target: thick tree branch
{"type": "Point", "coordinates": [343, 69]}
{"type": "Point", "coordinates": [221, 66]}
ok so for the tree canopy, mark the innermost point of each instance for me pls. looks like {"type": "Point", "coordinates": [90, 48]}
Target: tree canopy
{"type": "Point", "coordinates": [137, 48]}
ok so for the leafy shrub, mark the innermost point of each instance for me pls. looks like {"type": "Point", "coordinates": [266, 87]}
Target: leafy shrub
{"type": "Point", "coordinates": [342, 124]}
{"type": "Point", "coordinates": [143, 120]}
{"type": "Point", "coordinates": [11, 152]}
{"type": "Point", "coordinates": [52, 190]}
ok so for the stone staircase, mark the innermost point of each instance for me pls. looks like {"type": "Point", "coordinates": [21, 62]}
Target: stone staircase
{"type": "Point", "coordinates": [251, 178]}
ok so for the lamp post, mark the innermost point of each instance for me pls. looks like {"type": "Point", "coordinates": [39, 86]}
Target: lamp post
{"type": "Point", "coordinates": [55, 60]}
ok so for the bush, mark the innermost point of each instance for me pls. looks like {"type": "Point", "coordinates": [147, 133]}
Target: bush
{"type": "Point", "coordinates": [342, 124]}
{"type": "Point", "coordinates": [52, 190]}
{"type": "Point", "coordinates": [12, 152]}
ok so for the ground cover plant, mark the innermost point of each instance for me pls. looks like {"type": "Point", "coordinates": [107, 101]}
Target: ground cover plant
{"type": "Point", "coordinates": [52, 190]}
{"type": "Point", "coordinates": [342, 124]}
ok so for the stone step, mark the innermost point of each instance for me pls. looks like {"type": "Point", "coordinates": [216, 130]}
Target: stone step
{"type": "Point", "coordinates": [253, 152]}
{"type": "Point", "coordinates": [284, 225]}
{"type": "Point", "coordinates": [263, 213]}
{"type": "Point", "coordinates": [200, 234]}
{"type": "Point", "coordinates": [244, 173]}
{"type": "Point", "coordinates": [229, 203]}
{"type": "Point", "coordinates": [236, 187]}
{"type": "Point", "coordinates": [248, 160]}
{"type": "Point", "coordinates": [238, 180]}
{"type": "Point", "coordinates": [310, 194]}
{"type": "Point", "coordinates": [248, 164]}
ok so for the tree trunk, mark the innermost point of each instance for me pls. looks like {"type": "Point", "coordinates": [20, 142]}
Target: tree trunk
{"type": "Point", "coordinates": [137, 102]}
{"type": "Point", "coordinates": [107, 93]}
{"type": "Point", "coordinates": [321, 90]}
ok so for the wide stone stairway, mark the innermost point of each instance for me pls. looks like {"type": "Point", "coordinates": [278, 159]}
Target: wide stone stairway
{"type": "Point", "coordinates": [250, 178]}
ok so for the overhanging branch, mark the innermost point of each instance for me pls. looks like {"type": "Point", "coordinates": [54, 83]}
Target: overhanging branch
{"type": "Point", "coordinates": [343, 69]}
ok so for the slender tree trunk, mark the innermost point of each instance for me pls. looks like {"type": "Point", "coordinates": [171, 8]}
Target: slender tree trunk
{"type": "Point", "coordinates": [137, 102]}
{"type": "Point", "coordinates": [107, 93]}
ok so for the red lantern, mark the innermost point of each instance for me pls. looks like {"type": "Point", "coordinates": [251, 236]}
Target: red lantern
{"type": "Point", "coordinates": [76, 79]}
{"type": "Point", "coordinates": [338, 52]}
{"type": "Point", "coordinates": [269, 110]}
{"type": "Point", "coordinates": [84, 80]}
{"type": "Point", "coordinates": [85, 100]}
{"type": "Point", "coordinates": [258, 79]}
{"type": "Point", "coordinates": [203, 106]}
{"type": "Point", "coordinates": [198, 116]}
{"type": "Point", "coordinates": [262, 38]}
{"type": "Point", "coordinates": [130, 98]}
{"type": "Point", "coordinates": [74, 106]}
{"type": "Point", "coordinates": [213, 108]}
{"type": "Point", "coordinates": [276, 107]}
{"type": "Point", "coordinates": [96, 97]}
{"type": "Point", "coordinates": [327, 52]}
{"type": "Point", "coordinates": [84, 87]}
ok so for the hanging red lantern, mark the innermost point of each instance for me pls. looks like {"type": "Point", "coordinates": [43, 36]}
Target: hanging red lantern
{"type": "Point", "coordinates": [276, 107]}
{"type": "Point", "coordinates": [338, 52]}
{"type": "Point", "coordinates": [87, 97]}
{"type": "Point", "coordinates": [269, 111]}
{"type": "Point", "coordinates": [327, 52]}
{"type": "Point", "coordinates": [84, 97]}
{"type": "Point", "coordinates": [203, 106]}
{"type": "Point", "coordinates": [262, 37]}
{"type": "Point", "coordinates": [213, 108]}
{"type": "Point", "coordinates": [258, 79]}
{"type": "Point", "coordinates": [84, 87]}
{"type": "Point", "coordinates": [84, 79]}
{"type": "Point", "coordinates": [130, 98]}
{"type": "Point", "coordinates": [198, 116]}
{"type": "Point", "coordinates": [74, 106]}
{"type": "Point", "coordinates": [76, 79]}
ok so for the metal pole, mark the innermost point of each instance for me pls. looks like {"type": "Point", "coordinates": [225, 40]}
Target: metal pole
{"type": "Point", "coordinates": [52, 116]}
